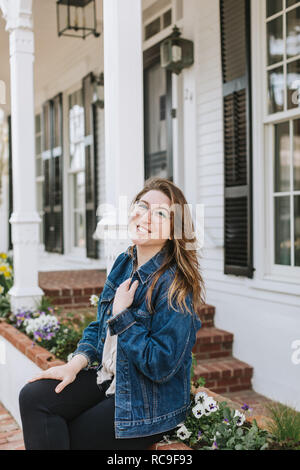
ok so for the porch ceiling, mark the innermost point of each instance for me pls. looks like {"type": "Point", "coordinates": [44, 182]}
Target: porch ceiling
{"type": "Point", "coordinates": [52, 53]}
{"type": "Point", "coordinates": [59, 61]}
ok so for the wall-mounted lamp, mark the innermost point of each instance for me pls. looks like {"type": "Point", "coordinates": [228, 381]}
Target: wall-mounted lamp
{"type": "Point", "coordinates": [176, 53]}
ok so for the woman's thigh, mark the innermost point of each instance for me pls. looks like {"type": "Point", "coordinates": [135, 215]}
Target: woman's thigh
{"type": "Point", "coordinates": [74, 399]}
{"type": "Point", "coordinates": [94, 430]}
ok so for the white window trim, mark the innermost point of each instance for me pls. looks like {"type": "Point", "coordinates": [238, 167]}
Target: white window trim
{"type": "Point", "coordinates": [267, 276]}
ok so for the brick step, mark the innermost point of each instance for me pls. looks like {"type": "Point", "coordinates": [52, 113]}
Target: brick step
{"type": "Point", "coordinates": [207, 314]}
{"type": "Point", "coordinates": [72, 298]}
{"type": "Point", "coordinates": [72, 289]}
{"type": "Point", "coordinates": [213, 343]}
{"type": "Point", "coordinates": [224, 374]}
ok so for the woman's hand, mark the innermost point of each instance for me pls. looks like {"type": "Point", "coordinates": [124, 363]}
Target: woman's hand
{"type": "Point", "coordinates": [124, 296]}
{"type": "Point", "coordinates": [64, 373]}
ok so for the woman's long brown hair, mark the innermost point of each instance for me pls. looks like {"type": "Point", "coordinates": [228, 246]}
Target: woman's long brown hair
{"type": "Point", "coordinates": [188, 278]}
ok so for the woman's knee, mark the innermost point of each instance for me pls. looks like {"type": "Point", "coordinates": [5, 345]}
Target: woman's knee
{"type": "Point", "coordinates": [33, 393]}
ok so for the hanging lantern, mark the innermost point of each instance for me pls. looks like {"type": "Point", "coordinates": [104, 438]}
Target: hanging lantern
{"type": "Point", "coordinates": [76, 18]}
{"type": "Point", "coordinates": [176, 53]}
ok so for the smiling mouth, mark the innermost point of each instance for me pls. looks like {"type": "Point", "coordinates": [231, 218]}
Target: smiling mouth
{"type": "Point", "coordinates": [142, 229]}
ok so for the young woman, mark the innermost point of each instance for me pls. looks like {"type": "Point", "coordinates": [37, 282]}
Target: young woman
{"type": "Point", "coordinates": [143, 338]}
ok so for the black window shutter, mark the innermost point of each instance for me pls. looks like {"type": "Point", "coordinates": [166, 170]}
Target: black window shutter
{"type": "Point", "coordinates": [91, 180]}
{"type": "Point", "coordinates": [52, 132]}
{"type": "Point", "coordinates": [236, 70]}
{"type": "Point", "coordinates": [57, 165]}
{"type": "Point", "coordinates": [10, 183]}
{"type": "Point", "coordinates": [47, 170]}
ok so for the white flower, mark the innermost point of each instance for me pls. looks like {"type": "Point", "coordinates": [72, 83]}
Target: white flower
{"type": "Point", "coordinates": [43, 321]}
{"type": "Point", "coordinates": [198, 410]}
{"type": "Point", "coordinates": [1, 289]}
{"type": "Point", "coordinates": [180, 424]}
{"type": "Point", "coordinates": [210, 406]}
{"type": "Point", "coordinates": [241, 416]}
{"type": "Point", "coordinates": [94, 300]}
{"type": "Point", "coordinates": [183, 433]}
{"type": "Point", "coordinates": [200, 396]}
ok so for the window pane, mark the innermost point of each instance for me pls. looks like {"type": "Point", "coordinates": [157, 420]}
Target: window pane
{"type": "Point", "coordinates": [46, 130]}
{"type": "Point", "coordinates": [76, 131]}
{"type": "Point", "coordinates": [39, 167]}
{"type": "Point", "coordinates": [156, 127]}
{"type": "Point", "coordinates": [282, 157]}
{"type": "Point", "coordinates": [293, 32]}
{"type": "Point", "coordinates": [282, 231]}
{"type": "Point", "coordinates": [167, 18]}
{"type": "Point", "coordinates": [37, 123]}
{"type": "Point", "coordinates": [152, 28]}
{"type": "Point", "coordinates": [39, 205]}
{"type": "Point", "coordinates": [38, 145]}
{"type": "Point", "coordinates": [56, 124]}
{"type": "Point", "coordinates": [297, 229]}
{"type": "Point", "coordinates": [79, 230]}
{"type": "Point", "coordinates": [290, 3]}
{"type": "Point", "coordinates": [293, 84]}
{"type": "Point", "coordinates": [276, 90]}
{"type": "Point", "coordinates": [273, 6]}
{"type": "Point", "coordinates": [79, 188]}
{"type": "Point", "coordinates": [297, 155]}
{"type": "Point", "coordinates": [275, 43]}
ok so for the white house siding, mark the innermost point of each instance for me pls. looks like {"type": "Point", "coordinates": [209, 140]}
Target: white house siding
{"type": "Point", "coordinates": [265, 318]}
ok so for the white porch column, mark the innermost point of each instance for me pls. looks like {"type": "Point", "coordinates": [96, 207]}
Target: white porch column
{"type": "Point", "coordinates": [25, 219]}
{"type": "Point", "coordinates": [123, 98]}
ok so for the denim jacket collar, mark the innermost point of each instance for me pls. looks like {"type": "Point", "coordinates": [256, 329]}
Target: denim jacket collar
{"type": "Point", "coordinates": [151, 266]}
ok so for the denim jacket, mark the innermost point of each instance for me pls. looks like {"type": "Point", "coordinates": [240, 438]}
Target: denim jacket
{"type": "Point", "coordinates": [154, 351]}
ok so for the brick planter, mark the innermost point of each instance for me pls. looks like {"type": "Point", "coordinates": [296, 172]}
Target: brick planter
{"type": "Point", "coordinates": [43, 359]}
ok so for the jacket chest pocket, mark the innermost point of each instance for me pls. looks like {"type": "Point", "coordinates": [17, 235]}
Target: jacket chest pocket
{"type": "Point", "coordinates": [143, 317]}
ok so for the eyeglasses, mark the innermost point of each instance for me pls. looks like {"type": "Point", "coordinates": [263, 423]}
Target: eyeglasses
{"type": "Point", "coordinates": [159, 214]}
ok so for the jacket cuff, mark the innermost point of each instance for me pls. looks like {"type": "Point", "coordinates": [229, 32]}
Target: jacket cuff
{"type": "Point", "coordinates": [88, 353]}
{"type": "Point", "coordinates": [121, 322]}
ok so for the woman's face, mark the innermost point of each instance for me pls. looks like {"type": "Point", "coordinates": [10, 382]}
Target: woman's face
{"type": "Point", "coordinates": [149, 221]}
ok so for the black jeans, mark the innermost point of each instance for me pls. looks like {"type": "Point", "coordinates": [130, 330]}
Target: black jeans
{"type": "Point", "coordinates": [79, 417]}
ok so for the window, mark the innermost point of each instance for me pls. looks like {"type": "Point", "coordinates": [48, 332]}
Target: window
{"type": "Point", "coordinates": [77, 169]}
{"type": "Point", "coordinates": [158, 24]}
{"type": "Point", "coordinates": [283, 128]}
{"type": "Point", "coordinates": [283, 55]}
{"type": "Point", "coordinates": [287, 193]}
{"type": "Point", "coordinates": [39, 175]}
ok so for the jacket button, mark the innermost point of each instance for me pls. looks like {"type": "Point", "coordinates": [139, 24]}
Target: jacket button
{"type": "Point", "coordinates": [109, 312]}
{"type": "Point", "coordinates": [102, 339]}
